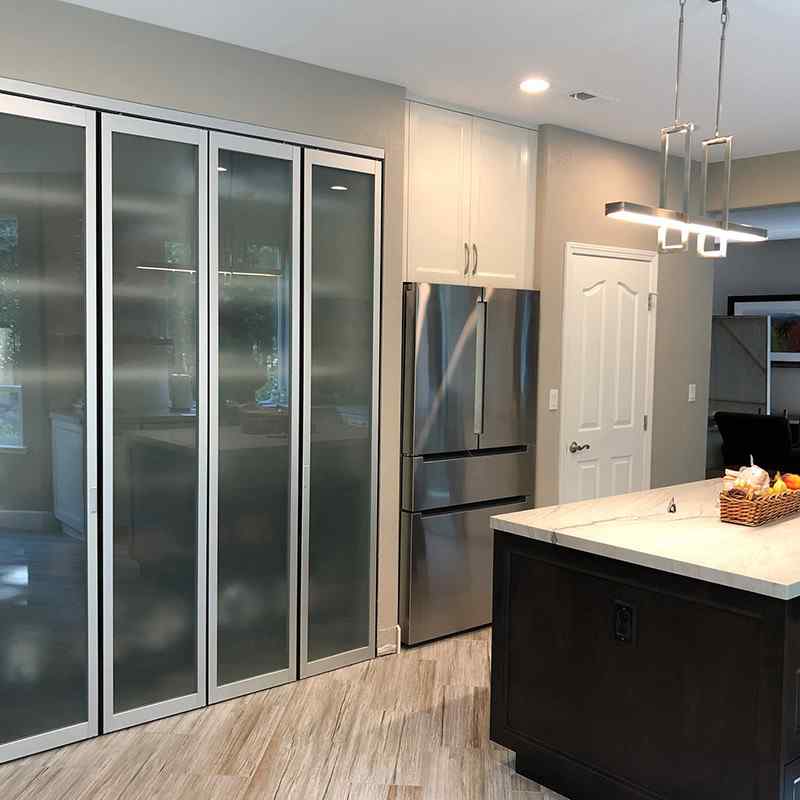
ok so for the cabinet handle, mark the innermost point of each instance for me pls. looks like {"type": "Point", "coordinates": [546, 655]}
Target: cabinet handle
{"type": "Point", "coordinates": [475, 252]}
{"type": "Point", "coordinates": [466, 258]}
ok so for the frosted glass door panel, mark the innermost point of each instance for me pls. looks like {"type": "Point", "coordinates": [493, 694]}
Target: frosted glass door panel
{"type": "Point", "coordinates": [254, 420]}
{"type": "Point", "coordinates": [47, 425]}
{"type": "Point", "coordinates": [156, 273]}
{"type": "Point", "coordinates": [342, 278]}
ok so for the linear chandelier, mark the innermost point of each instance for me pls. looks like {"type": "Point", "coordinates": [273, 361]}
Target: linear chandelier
{"type": "Point", "coordinates": [720, 230]}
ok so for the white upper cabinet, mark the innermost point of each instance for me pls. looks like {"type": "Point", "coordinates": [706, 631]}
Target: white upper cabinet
{"type": "Point", "coordinates": [438, 193]}
{"type": "Point", "coordinates": [502, 204]}
{"type": "Point", "coordinates": [470, 200]}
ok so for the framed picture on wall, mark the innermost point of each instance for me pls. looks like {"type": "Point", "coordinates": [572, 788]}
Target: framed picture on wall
{"type": "Point", "coordinates": [784, 313]}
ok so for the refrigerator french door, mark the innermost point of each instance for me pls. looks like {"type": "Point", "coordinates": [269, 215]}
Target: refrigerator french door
{"type": "Point", "coordinates": [155, 422]}
{"type": "Point", "coordinates": [254, 413]}
{"type": "Point", "coordinates": [469, 411]}
{"type": "Point", "coordinates": [341, 347]}
{"type": "Point", "coordinates": [48, 434]}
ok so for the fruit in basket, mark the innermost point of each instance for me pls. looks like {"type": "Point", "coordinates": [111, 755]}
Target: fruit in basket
{"type": "Point", "coordinates": [779, 487]}
{"type": "Point", "coordinates": [792, 481]}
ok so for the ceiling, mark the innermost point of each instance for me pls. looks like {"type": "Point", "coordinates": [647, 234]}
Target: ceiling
{"type": "Point", "coordinates": [473, 54]}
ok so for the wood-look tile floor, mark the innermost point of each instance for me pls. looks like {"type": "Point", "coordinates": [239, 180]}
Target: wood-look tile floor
{"type": "Point", "coordinates": [414, 726]}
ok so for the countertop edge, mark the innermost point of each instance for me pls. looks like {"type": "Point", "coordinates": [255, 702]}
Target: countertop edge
{"type": "Point", "coordinates": [688, 570]}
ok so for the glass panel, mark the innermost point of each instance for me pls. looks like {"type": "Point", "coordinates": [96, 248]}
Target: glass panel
{"type": "Point", "coordinates": [340, 525]}
{"type": "Point", "coordinates": [255, 263]}
{"type": "Point", "coordinates": [155, 295]}
{"type": "Point", "coordinates": [43, 591]}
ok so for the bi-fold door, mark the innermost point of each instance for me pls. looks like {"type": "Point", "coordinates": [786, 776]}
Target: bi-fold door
{"type": "Point", "coordinates": [342, 236]}
{"type": "Point", "coordinates": [48, 433]}
{"type": "Point", "coordinates": [203, 374]}
{"type": "Point", "coordinates": [155, 421]}
{"type": "Point", "coordinates": [254, 249]}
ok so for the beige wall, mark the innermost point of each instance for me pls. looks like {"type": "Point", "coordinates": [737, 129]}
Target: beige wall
{"type": "Point", "coordinates": [759, 181]}
{"type": "Point", "coordinates": [578, 174]}
{"type": "Point", "coordinates": [70, 47]}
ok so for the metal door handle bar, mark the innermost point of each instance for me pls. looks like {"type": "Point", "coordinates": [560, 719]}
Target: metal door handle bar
{"type": "Point", "coordinates": [480, 347]}
{"type": "Point", "coordinates": [577, 448]}
{"type": "Point", "coordinates": [475, 253]}
{"type": "Point", "coordinates": [466, 258]}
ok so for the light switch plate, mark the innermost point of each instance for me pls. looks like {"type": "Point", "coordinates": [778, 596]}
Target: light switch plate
{"type": "Point", "coordinates": [692, 392]}
{"type": "Point", "coordinates": [553, 404]}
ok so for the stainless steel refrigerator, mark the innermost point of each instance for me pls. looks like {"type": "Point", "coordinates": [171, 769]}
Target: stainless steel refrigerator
{"type": "Point", "coordinates": [469, 438]}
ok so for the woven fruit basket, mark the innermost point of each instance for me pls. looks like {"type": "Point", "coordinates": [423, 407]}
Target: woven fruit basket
{"type": "Point", "coordinates": [736, 507]}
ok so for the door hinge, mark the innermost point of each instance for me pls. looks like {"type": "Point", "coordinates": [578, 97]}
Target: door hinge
{"type": "Point", "coordinates": [645, 421]}
{"type": "Point", "coordinates": [651, 301]}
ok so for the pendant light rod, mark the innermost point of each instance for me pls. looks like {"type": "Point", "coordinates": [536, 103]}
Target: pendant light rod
{"type": "Point", "coordinates": [722, 42]}
{"type": "Point", "coordinates": [679, 67]}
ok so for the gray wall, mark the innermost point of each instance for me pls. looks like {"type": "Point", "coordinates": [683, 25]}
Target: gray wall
{"type": "Point", "coordinates": [759, 181]}
{"type": "Point", "coordinates": [61, 45]}
{"type": "Point", "coordinates": [578, 174]}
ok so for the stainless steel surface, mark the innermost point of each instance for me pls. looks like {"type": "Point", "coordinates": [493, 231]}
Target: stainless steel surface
{"type": "Point", "coordinates": [579, 448]}
{"type": "Point", "coordinates": [510, 368]}
{"type": "Point", "coordinates": [685, 129]}
{"type": "Point", "coordinates": [252, 606]}
{"type": "Point", "coordinates": [337, 460]}
{"type": "Point", "coordinates": [159, 547]}
{"type": "Point", "coordinates": [431, 483]}
{"type": "Point", "coordinates": [466, 258]}
{"type": "Point", "coordinates": [42, 666]}
{"type": "Point", "coordinates": [480, 360]}
{"type": "Point", "coordinates": [475, 261]}
{"type": "Point", "coordinates": [446, 563]}
{"type": "Point", "coordinates": [100, 103]}
{"type": "Point", "coordinates": [439, 391]}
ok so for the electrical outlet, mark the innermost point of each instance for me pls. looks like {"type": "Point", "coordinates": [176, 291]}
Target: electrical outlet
{"type": "Point", "coordinates": [692, 392]}
{"type": "Point", "coordinates": [553, 404]}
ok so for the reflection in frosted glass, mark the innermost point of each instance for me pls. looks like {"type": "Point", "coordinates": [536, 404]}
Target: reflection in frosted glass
{"type": "Point", "coordinates": [155, 237]}
{"type": "Point", "coordinates": [255, 263]}
{"type": "Point", "coordinates": [341, 411]}
{"type": "Point", "coordinates": [43, 600]}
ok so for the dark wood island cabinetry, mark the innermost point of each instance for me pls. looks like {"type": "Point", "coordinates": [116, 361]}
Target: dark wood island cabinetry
{"type": "Point", "coordinates": [616, 679]}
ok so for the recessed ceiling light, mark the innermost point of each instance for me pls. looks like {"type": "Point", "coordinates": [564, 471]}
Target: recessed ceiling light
{"type": "Point", "coordinates": [535, 85]}
{"type": "Point", "coordinates": [339, 188]}
{"type": "Point", "coordinates": [222, 169]}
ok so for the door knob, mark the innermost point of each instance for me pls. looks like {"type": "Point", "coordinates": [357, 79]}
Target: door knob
{"type": "Point", "coordinates": [577, 448]}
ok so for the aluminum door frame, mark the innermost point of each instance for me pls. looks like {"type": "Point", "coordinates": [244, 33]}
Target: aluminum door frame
{"type": "Point", "coordinates": [78, 117]}
{"type": "Point", "coordinates": [111, 124]}
{"type": "Point", "coordinates": [258, 147]}
{"type": "Point", "coordinates": [353, 164]}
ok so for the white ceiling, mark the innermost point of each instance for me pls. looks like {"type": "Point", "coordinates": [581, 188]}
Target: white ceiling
{"type": "Point", "coordinates": [473, 54]}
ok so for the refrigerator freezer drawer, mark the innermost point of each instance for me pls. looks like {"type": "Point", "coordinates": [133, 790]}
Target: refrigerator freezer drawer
{"type": "Point", "coordinates": [430, 483]}
{"type": "Point", "coordinates": [446, 571]}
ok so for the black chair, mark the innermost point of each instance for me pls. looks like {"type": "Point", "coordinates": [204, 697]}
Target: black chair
{"type": "Point", "coordinates": [768, 439]}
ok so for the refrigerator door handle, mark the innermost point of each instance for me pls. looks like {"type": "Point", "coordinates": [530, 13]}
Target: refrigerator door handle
{"type": "Point", "coordinates": [480, 356]}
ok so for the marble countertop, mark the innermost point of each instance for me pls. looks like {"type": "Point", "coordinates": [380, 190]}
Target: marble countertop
{"type": "Point", "coordinates": [693, 542]}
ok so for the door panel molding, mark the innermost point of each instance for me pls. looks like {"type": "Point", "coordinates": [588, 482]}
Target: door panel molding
{"type": "Point", "coordinates": [649, 260]}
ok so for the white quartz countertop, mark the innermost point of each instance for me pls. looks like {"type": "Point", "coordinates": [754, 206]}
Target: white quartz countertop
{"type": "Point", "coordinates": [693, 542]}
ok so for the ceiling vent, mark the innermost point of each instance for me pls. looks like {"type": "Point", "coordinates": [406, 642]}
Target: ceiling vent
{"type": "Point", "coordinates": [582, 96]}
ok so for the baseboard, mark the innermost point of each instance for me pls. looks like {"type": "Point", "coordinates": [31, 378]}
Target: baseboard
{"type": "Point", "coordinates": [388, 640]}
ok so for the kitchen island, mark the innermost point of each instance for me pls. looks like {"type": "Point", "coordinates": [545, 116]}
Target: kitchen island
{"type": "Point", "coordinates": [641, 653]}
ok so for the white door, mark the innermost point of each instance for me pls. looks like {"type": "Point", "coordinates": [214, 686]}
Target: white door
{"type": "Point", "coordinates": [502, 205]}
{"type": "Point", "coordinates": [607, 371]}
{"type": "Point", "coordinates": [438, 243]}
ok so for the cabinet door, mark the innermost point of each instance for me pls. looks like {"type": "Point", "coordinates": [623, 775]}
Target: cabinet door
{"type": "Point", "coordinates": [48, 436]}
{"type": "Point", "coordinates": [254, 260]}
{"type": "Point", "coordinates": [502, 205]}
{"type": "Point", "coordinates": [439, 152]}
{"type": "Point", "coordinates": [155, 423]}
{"type": "Point", "coordinates": [341, 342]}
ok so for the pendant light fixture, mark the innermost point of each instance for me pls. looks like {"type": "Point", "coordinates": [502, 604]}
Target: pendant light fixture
{"type": "Point", "coordinates": [671, 221]}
